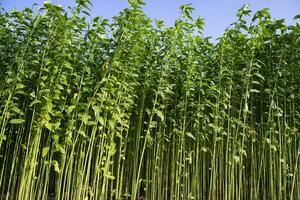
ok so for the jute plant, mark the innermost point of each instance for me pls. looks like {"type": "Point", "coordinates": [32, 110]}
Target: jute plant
{"type": "Point", "coordinates": [128, 108]}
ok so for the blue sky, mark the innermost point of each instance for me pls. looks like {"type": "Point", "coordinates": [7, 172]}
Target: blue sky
{"type": "Point", "coordinates": [218, 14]}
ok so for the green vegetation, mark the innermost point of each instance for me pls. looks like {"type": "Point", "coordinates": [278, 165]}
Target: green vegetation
{"type": "Point", "coordinates": [131, 109]}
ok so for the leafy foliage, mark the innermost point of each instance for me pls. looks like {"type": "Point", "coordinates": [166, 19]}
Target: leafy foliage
{"type": "Point", "coordinates": [128, 109]}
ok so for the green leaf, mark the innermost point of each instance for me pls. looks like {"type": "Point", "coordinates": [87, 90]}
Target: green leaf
{"type": "Point", "coordinates": [59, 148]}
{"type": "Point", "coordinates": [17, 110]}
{"type": "Point", "coordinates": [84, 118]}
{"type": "Point", "coordinates": [45, 151]}
{"type": "Point", "coordinates": [85, 12]}
{"type": "Point", "coordinates": [244, 11]}
{"type": "Point", "coordinates": [70, 109]}
{"type": "Point", "coordinates": [149, 112]}
{"type": "Point", "coordinates": [254, 91]}
{"type": "Point", "coordinates": [49, 126]}
{"type": "Point", "coordinates": [236, 158]}
{"type": "Point", "coordinates": [101, 120]}
{"type": "Point", "coordinates": [111, 124]}
{"type": "Point", "coordinates": [109, 176]}
{"type": "Point", "coordinates": [32, 94]}
{"type": "Point", "coordinates": [90, 123]}
{"type": "Point", "coordinates": [204, 149]}
{"type": "Point", "coordinates": [199, 22]}
{"type": "Point", "coordinates": [96, 109]}
{"type": "Point", "coordinates": [55, 138]}
{"type": "Point", "coordinates": [190, 135]}
{"type": "Point", "coordinates": [255, 82]}
{"type": "Point", "coordinates": [20, 86]}
{"type": "Point", "coordinates": [297, 17]}
{"type": "Point", "coordinates": [278, 114]}
{"type": "Point", "coordinates": [82, 133]}
{"type": "Point", "coordinates": [59, 86]}
{"type": "Point", "coordinates": [17, 121]}
{"type": "Point", "coordinates": [187, 10]}
{"type": "Point", "coordinates": [9, 80]}
{"type": "Point", "coordinates": [56, 166]}
{"type": "Point", "coordinates": [259, 76]}
{"type": "Point", "coordinates": [2, 137]}
{"type": "Point", "coordinates": [160, 114]}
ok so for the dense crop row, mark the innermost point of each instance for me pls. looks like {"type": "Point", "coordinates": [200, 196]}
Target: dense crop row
{"type": "Point", "coordinates": [128, 109]}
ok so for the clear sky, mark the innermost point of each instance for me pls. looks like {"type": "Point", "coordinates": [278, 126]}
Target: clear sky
{"type": "Point", "coordinates": [218, 14]}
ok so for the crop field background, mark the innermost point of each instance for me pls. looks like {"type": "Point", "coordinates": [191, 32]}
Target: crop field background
{"type": "Point", "coordinates": [127, 108]}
